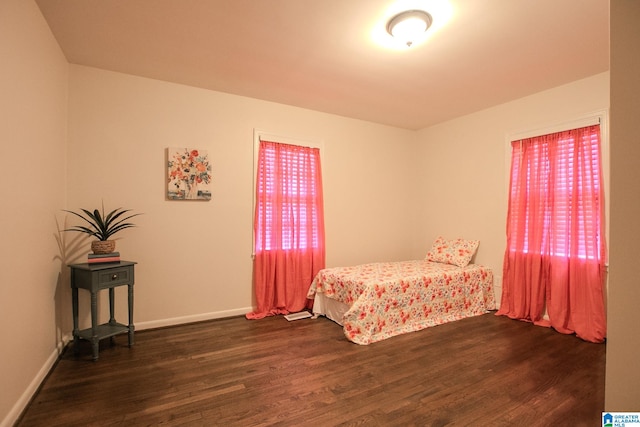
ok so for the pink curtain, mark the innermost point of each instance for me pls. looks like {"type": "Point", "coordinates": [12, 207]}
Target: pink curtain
{"type": "Point", "coordinates": [288, 228]}
{"type": "Point", "coordinates": [556, 251]}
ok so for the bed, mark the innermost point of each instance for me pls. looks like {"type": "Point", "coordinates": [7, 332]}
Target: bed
{"type": "Point", "coordinates": [377, 301]}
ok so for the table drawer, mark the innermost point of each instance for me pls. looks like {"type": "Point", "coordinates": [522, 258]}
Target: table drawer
{"type": "Point", "coordinates": [114, 276]}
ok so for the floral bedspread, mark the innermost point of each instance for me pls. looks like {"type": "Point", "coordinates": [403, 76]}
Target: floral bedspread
{"type": "Point", "coordinates": [393, 298]}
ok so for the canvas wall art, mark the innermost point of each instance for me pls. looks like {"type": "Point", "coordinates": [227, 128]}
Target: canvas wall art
{"type": "Point", "coordinates": [189, 174]}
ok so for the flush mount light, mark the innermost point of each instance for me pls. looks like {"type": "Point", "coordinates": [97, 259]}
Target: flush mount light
{"type": "Point", "coordinates": [408, 26]}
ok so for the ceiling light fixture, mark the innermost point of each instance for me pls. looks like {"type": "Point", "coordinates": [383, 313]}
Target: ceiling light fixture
{"type": "Point", "coordinates": [408, 26]}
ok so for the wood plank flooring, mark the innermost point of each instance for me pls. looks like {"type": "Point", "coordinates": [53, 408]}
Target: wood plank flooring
{"type": "Point", "coordinates": [482, 371]}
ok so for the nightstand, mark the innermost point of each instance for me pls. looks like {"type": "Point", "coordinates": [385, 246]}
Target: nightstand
{"type": "Point", "coordinates": [94, 278]}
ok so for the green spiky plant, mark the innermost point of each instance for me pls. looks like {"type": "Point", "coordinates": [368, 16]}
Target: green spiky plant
{"type": "Point", "coordinates": [103, 226]}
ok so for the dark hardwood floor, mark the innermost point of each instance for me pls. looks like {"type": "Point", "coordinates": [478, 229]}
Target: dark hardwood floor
{"type": "Point", "coordinates": [482, 371]}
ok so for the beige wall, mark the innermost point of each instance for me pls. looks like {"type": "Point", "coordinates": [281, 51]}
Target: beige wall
{"type": "Point", "coordinates": [464, 173]}
{"type": "Point", "coordinates": [622, 389]}
{"type": "Point", "coordinates": [195, 257]}
{"type": "Point", "coordinates": [33, 107]}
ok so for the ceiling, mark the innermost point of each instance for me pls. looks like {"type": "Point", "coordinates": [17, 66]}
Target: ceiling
{"type": "Point", "coordinates": [334, 56]}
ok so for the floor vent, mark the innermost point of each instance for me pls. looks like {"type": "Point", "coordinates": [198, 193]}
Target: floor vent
{"type": "Point", "coordinates": [298, 316]}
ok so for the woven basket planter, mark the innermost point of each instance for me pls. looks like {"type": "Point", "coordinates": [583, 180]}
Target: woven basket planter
{"type": "Point", "coordinates": [103, 246]}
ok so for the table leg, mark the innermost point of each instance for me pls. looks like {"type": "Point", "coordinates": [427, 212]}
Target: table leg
{"type": "Point", "coordinates": [131, 327]}
{"type": "Point", "coordinates": [95, 342]}
{"type": "Point", "coordinates": [74, 304]}
{"type": "Point", "coordinates": [112, 318]}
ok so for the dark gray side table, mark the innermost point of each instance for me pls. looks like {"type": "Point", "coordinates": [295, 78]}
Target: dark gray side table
{"type": "Point", "coordinates": [94, 278]}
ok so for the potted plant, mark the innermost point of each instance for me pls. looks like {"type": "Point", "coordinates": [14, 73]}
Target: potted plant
{"type": "Point", "coordinates": [103, 226]}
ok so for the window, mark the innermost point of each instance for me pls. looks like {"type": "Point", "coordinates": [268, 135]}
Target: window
{"type": "Point", "coordinates": [555, 195]}
{"type": "Point", "coordinates": [288, 196]}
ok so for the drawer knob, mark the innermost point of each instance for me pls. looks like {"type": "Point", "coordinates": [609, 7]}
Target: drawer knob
{"type": "Point", "coordinates": [114, 277]}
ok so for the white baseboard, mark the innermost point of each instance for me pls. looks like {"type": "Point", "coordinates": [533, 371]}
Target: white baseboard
{"type": "Point", "coordinates": [191, 319]}
{"type": "Point", "coordinates": [21, 404]}
{"type": "Point", "coordinates": [23, 401]}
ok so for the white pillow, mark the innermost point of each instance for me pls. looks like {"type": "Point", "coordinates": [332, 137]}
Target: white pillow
{"type": "Point", "coordinates": [456, 252]}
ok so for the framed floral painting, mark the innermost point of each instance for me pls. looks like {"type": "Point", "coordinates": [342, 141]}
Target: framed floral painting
{"type": "Point", "coordinates": [189, 174]}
